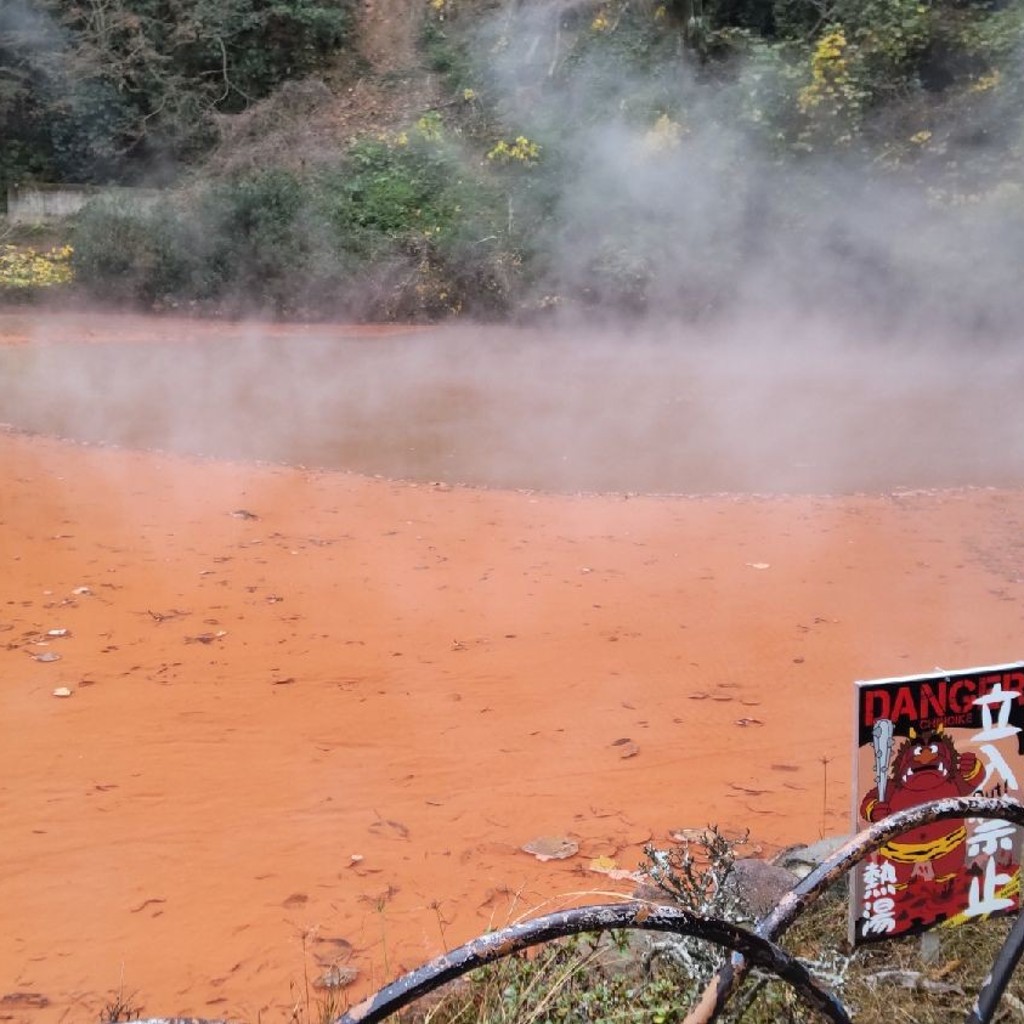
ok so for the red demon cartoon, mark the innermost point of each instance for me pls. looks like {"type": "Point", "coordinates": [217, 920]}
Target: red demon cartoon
{"type": "Point", "coordinates": [926, 767]}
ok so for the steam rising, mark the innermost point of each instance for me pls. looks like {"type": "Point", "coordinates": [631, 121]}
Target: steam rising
{"type": "Point", "coordinates": [802, 325]}
{"type": "Point", "coordinates": [720, 217]}
{"type": "Point", "coordinates": [682, 411]}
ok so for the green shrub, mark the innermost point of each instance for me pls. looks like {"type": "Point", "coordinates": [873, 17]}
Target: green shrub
{"type": "Point", "coordinates": [399, 229]}
{"type": "Point", "coordinates": [116, 251]}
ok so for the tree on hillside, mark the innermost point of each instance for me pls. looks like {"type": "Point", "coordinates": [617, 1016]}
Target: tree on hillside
{"type": "Point", "coordinates": [94, 90]}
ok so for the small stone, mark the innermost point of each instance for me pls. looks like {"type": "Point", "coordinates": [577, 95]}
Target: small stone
{"type": "Point", "coordinates": [802, 860]}
{"type": "Point", "coordinates": [758, 884]}
{"type": "Point", "coordinates": [337, 977]}
{"type": "Point", "coordinates": [62, 691]}
{"type": "Point", "coordinates": [46, 656]}
{"type": "Point", "coordinates": [551, 848]}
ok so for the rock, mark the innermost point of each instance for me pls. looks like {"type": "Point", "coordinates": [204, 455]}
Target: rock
{"type": "Point", "coordinates": [62, 691]}
{"type": "Point", "coordinates": [551, 848]}
{"type": "Point", "coordinates": [802, 860]}
{"type": "Point", "coordinates": [759, 884]}
{"type": "Point", "coordinates": [337, 977]}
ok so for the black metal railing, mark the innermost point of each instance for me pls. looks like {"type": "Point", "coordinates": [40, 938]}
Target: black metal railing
{"type": "Point", "coordinates": [750, 948]}
{"type": "Point", "coordinates": [753, 948]}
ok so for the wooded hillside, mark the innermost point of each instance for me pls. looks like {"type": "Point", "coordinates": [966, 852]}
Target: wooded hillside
{"type": "Point", "coordinates": [424, 158]}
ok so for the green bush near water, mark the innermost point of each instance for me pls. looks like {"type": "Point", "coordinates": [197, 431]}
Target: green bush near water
{"type": "Point", "coordinates": [396, 230]}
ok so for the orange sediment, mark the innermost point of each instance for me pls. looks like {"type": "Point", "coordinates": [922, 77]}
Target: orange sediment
{"type": "Point", "coordinates": [314, 716]}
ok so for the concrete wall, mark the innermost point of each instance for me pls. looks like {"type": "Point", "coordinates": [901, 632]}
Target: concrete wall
{"type": "Point", "coordinates": [37, 204]}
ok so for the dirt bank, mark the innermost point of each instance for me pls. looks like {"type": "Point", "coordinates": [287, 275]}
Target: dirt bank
{"type": "Point", "coordinates": [315, 715]}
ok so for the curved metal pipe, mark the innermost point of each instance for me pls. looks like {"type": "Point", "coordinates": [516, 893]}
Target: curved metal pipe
{"type": "Point", "coordinates": [801, 896]}
{"type": "Point", "coordinates": [755, 948]}
{"type": "Point", "coordinates": [993, 987]}
{"type": "Point", "coordinates": [488, 948]}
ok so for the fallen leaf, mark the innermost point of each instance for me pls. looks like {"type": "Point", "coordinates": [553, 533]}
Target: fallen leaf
{"type": "Point", "coordinates": [700, 835]}
{"type": "Point", "coordinates": [946, 968]}
{"type": "Point", "coordinates": [206, 638]}
{"type": "Point", "coordinates": [688, 835]}
{"type": "Point", "coordinates": [607, 866]}
{"type": "Point", "coordinates": [174, 613]}
{"type": "Point", "coordinates": [389, 829]}
{"type": "Point", "coordinates": [29, 1000]}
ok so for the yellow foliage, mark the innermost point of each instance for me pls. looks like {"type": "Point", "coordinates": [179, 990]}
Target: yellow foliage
{"type": "Point", "coordinates": [429, 126]}
{"type": "Point", "coordinates": [664, 136]}
{"type": "Point", "coordinates": [28, 268]}
{"type": "Point", "coordinates": [601, 22]}
{"type": "Point", "coordinates": [920, 138]}
{"type": "Point", "coordinates": [830, 76]}
{"type": "Point", "coordinates": [521, 150]}
{"type": "Point", "coordinates": [987, 82]}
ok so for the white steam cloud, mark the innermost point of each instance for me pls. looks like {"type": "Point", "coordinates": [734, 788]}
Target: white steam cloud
{"type": "Point", "coordinates": [786, 325]}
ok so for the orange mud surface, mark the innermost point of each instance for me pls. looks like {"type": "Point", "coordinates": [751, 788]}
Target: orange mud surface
{"type": "Point", "coordinates": [314, 716]}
